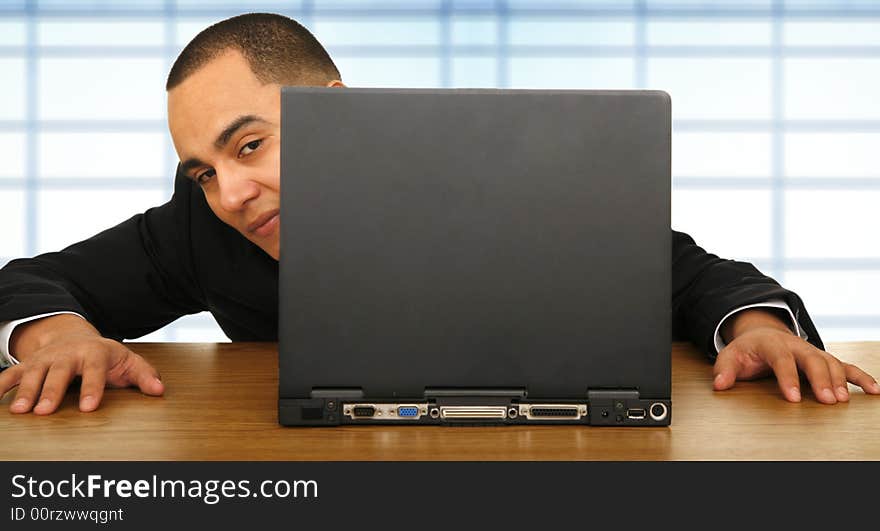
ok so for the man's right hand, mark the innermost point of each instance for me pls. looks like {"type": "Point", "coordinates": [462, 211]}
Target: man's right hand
{"type": "Point", "coordinates": [52, 351]}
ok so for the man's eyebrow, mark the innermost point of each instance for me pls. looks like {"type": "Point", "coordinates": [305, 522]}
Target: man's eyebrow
{"type": "Point", "coordinates": [238, 123]}
{"type": "Point", "coordinates": [222, 140]}
{"type": "Point", "coordinates": [189, 164]}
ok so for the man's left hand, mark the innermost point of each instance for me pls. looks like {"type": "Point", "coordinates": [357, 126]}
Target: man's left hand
{"type": "Point", "coordinates": [760, 344]}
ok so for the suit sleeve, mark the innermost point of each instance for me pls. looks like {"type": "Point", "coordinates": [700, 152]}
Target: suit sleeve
{"type": "Point", "coordinates": [705, 288]}
{"type": "Point", "coordinates": [127, 281]}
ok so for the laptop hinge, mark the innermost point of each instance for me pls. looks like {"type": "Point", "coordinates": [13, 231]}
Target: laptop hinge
{"type": "Point", "coordinates": [337, 392]}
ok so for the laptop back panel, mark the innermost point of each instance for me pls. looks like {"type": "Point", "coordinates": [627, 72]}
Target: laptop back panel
{"type": "Point", "coordinates": [470, 242]}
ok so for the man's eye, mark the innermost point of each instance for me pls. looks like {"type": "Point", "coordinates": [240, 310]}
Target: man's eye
{"type": "Point", "coordinates": [249, 148]}
{"type": "Point", "coordinates": [203, 178]}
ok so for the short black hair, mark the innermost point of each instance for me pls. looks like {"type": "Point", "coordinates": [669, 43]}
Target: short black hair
{"type": "Point", "coordinates": [278, 49]}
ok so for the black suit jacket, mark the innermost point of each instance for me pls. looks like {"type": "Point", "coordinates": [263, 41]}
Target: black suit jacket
{"type": "Point", "coordinates": [179, 259]}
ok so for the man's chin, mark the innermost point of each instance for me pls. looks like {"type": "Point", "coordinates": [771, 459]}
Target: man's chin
{"type": "Point", "coordinates": [272, 249]}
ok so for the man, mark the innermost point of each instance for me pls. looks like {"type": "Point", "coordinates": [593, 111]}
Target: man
{"type": "Point", "coordinates": [215, 247]}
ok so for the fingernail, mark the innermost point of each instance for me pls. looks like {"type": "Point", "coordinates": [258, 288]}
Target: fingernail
{"type": "Point", "coordinates": [828, 395]}
{"type": "Point", "coordinates": [842, 393]}
{"type": "Point", "coordinates": [20, 403]}
{"type": "Point", "coordinates": [44, 403]}
{"type": "Point", "coordinates": [795, 394]}
{"type": "Point", "coordinates": [87, 402]}
{"type": "Point", "coordinates": [876, 387]}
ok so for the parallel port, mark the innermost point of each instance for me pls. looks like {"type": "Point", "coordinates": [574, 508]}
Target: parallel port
{"type": "Point", "coordinates": [553, 411]}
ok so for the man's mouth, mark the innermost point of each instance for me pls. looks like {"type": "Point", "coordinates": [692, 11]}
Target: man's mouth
{"type": "Point", "coordinates": [265, 224]}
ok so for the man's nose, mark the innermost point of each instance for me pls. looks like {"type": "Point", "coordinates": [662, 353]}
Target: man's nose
{"type": "Point", "coordinates": [236, 190]}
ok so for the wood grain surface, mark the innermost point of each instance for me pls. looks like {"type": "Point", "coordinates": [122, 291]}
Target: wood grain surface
{"type": "Point", "coordinates": [221, 404]}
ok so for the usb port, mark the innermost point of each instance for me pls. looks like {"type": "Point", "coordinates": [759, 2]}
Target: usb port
{"type": "Point", "coordinates": [636, 413]}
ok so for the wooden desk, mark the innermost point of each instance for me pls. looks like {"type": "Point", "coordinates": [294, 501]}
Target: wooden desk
{"type": "Point", "coordinates": [220, 404]}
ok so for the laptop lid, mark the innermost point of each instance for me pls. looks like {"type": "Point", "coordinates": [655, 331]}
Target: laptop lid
{"type": "Point", "coordinates": [475, 239]}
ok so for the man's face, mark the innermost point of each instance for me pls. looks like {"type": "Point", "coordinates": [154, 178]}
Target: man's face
{"type": "Point", "coordinates": [226, 127]}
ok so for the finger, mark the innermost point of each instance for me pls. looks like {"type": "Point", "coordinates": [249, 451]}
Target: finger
{"type": "Point", "coordinates": [814, 366]}
{"type": "Point", "coordinates": [862, 379]}
{"type": "Point", "coordinates": [838, 376]}
{"type": "Point", "coordinates": [726, 368]}
{"type": "Point", "coordinates": [94, 378]}
{"type": "Point", "coordinates": [145, 377]}
{"type": "Point", "coordinates": [785, 369]}
{"type": "Point", "coordinates": [9, 378]}
{"type": "Point", "coordinates": [57, 379]}
{"type": "Point", "coordinates": [29, 388]}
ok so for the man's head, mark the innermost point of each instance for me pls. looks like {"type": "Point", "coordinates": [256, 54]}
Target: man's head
{"type": "Point", "coordinates": [224, 113]}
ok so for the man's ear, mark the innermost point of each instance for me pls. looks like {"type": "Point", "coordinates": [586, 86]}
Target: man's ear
{"type": "Point", "coordinates": [335, 83]}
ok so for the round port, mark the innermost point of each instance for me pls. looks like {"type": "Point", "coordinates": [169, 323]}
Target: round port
{"type": "Point", "coordinates": [435, 413]}
{"type": "Point", "coordinates": [658, 411]}
{"type": "Point", "coordinates": [512, 413]}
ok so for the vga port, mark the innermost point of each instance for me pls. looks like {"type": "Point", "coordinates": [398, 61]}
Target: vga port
{"type": "Point", "coordinates": [407, 411]}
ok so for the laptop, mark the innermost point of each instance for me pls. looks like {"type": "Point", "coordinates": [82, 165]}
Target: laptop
{"type": "Point", "coordinates": [455, 257]}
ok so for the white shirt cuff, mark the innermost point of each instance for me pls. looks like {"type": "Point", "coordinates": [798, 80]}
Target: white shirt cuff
{"type": "Point", "coordinates": [6, 329]}
{"type": "Point", "coordinates": [774, 303]}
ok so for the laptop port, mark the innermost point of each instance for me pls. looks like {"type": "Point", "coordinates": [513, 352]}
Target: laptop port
{"type": "Point", "coordinates": [658, 411]}
{"type": "Point", "coordinates": [408, 411]}
{"type": "Point", "coordinates": [473, 412]}
{"type": "Point", "coordinates": [363, 411]}
{"type": "Point", "coordinates": [385, 411]}
{"type": "Point", "coordinates": [635, 413]}
{"type": "Point", "coordinates": [553, 411]}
